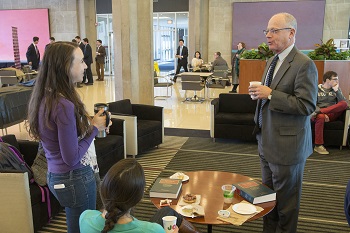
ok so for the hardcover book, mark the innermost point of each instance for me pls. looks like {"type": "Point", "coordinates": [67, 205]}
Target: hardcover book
{"type": "Point", "coordinates": [255, 192]}
{"type": "Point", "coordinates": [166, 188]}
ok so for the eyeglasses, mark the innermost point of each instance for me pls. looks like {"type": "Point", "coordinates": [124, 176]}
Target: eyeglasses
{"type": "Point", "coordinates": [336, 79]}
{"type": "Point", "coordinates": [274, 31]}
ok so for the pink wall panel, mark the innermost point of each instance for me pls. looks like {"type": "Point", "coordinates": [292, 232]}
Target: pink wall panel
{"type": "Point", "coordinates": [30, 23]}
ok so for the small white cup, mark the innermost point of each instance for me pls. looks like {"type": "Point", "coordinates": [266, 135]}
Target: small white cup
{"type": "Point", "coordinates": [169, 223]}
{"type": "Point", "coordinates": [254, 83]}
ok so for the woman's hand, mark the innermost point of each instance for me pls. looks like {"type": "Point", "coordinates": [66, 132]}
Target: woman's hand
{"type": "Point", "coordinates": [99, 121]}
{"type": "Point", "coordinates": [176, 230]}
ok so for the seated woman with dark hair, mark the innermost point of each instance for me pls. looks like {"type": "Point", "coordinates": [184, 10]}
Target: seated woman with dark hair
{"type": "Point", "coordinates": [121, 189]}
{"type": "Point", "coordinates": [197, 61]}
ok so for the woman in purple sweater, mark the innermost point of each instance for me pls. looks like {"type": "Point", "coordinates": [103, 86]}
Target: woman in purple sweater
{"type": "Point", "coordinates": [57, 117]}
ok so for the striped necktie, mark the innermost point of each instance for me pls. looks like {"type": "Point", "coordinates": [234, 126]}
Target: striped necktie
{"type": "Point", "coordinates": [268, 81]}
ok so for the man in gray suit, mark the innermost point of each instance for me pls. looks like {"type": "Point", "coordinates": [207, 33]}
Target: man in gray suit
{"type": "Point", "coordinates": [282, 117]}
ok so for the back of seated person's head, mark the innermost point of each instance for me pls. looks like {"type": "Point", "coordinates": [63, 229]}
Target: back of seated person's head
{"type": "Point", "coordinates": [121, 189]}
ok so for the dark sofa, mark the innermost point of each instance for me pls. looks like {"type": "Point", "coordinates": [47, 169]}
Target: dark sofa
{"type": "Point", "coordinates": [232, 117]}
{"type": "Point", "coordinates": [109, 150]}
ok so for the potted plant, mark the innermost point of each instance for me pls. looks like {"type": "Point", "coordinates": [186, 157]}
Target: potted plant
{"type": "Point", "coordinates": [262, 53]}
{"type": "Point", "coordinates": [328, 51]}
{"type": "Point", "coordinates": [327, 58]}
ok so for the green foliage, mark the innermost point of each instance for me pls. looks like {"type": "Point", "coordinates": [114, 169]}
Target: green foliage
{"type": "Point", "coordinates": [262, 53]}
{"type": "Point", "coordinates": [328, 51]}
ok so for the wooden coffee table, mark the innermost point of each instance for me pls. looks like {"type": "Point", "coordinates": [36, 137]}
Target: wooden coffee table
{"type": "Point", "coordinates": [208, 185]}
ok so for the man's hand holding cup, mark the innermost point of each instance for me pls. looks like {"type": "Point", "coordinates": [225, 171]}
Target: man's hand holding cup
{"type": "Point", "coordinates": [253, 88]}
{"type": "Point", "coordinates": [258, 91]}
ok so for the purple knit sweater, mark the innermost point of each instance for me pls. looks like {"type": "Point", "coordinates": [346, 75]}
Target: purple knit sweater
{"type": "Point", "coordinates": [62, 149]}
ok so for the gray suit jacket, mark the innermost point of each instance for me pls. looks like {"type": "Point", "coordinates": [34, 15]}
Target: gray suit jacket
{"type": "Point", "coordinates": [286, 131]}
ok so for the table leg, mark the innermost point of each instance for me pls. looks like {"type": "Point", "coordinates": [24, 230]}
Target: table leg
{"type": "Point", "coordinates": [210, 228]}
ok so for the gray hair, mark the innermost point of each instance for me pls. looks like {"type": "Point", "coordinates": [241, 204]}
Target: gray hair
{"type": "Point", "coordinates": [290, 20]}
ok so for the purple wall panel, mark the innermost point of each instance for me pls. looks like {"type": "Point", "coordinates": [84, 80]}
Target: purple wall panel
{"type": "Point", "coordinates": [250, 19]}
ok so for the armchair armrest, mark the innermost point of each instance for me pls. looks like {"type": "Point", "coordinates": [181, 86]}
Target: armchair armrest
{"type": "Point", "coordinates": [117, 127]}
{"type": "Point", "coordinates": [214, 109]}
{"type": "Point", "coordinates": [29, 149]}
{"type": "Point", "coordinates": [346, 126]}
{"type": "Point", "coordinates": [148, 112]}
{"type": "Point", "coordinates": [215, 103]}
{"type": "Point", "coordinates": [130, 132]}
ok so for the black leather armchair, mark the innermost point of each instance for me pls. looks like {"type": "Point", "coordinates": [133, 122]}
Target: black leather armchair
{"type": "Point", "coordinates": [144, 125]}
{"type": "Point", "coordinates": [39, 208]}
{"type": "Point", "coordinates": [335, 133]}
{"type": "Point", "coordinates": [232, 117]}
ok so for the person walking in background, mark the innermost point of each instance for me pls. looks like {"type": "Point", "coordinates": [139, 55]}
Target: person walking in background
{"type": "Point", "coordinates": [283, 127]}
{"type": "Point", "coordinates": [121, 189]}
{"type": "Point", "coordinates": [80, 43]}
{"type": "Point", "coordinates": [181, 55]}
{"type": "Point", "coordinates": [197, 61]}
{"type": "Point", "coordinates": [100, 60]}
{"type": "Point", "coordinates": [88, 61]}
{"type": "Point", "coordinates": [58, 118]}
{"type": "Point", "coordinates": [218, 60]}
{"type": "Point", "coordinates": [33, 54]}
{"type": "Point", "coordinates": [331, 103]}
{"type": "Point", "coordinates": [235, 66]}
{"type": "Point", "coordinates": [52, 40]}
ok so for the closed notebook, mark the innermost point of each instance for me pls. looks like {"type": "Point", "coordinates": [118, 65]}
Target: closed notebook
{"type": "Point", "coordinates": [166, 188]}
{"type": "Point", "coordinates": [255, 192]}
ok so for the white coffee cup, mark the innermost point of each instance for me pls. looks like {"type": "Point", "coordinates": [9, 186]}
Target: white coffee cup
{"type": "Point", "coordinates": [169, 223]}
{"type": "Point", "coordinates": [254, 83]}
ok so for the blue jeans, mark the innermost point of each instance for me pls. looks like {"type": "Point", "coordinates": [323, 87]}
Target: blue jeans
{"type": "Point", "coordinates": [76, 191]}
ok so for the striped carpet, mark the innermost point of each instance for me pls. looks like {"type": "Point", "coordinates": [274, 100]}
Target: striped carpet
{"type": "Point", "coordinates": [325, 180]}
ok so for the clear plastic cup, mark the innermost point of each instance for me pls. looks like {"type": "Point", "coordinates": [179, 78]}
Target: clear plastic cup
{"type": "Point", "coordinates": [228, 192]}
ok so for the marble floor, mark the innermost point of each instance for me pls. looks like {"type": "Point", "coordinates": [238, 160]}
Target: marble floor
{"type": "Point", "coordinates": [177, 114]}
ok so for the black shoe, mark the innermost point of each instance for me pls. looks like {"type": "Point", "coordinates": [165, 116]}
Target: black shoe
{"type": "Point", "coordinates": [89, 84]}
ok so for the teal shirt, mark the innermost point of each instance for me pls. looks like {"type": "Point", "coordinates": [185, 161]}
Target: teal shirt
{"type": "Point", "coordinates": [91, 221]}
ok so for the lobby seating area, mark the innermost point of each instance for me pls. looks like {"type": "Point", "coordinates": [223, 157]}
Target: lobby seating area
{"type": "Point", "coordinates": [229, 110]}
